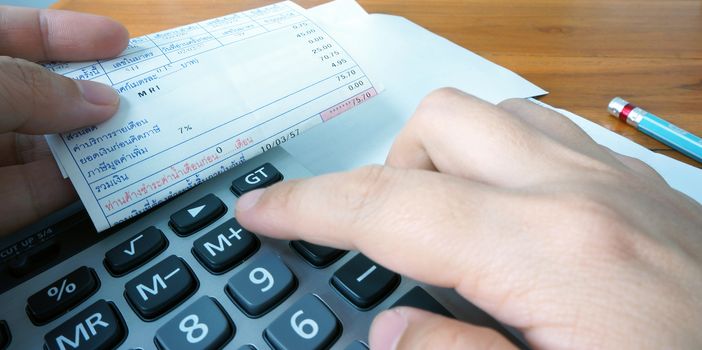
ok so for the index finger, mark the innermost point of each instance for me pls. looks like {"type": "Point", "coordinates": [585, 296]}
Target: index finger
{"type": "Point", "coordinates": [435, 228]}
{"type": "Point", "coordinates": [43, 35]}
{"type": "Point", "coordinates": [374, 211]}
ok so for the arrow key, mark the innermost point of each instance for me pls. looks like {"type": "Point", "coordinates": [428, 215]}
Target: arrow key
{"type": "Point", "coordinates": [135, 251]}
{"type": "Point", "coordinates": [197, 215]}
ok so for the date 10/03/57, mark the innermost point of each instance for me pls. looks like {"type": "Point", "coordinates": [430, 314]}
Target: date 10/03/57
{"type": "Point", "coordinates": [280, 139]}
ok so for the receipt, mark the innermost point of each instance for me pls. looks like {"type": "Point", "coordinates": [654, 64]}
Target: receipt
{"type": "Point", "coordinates": [200, 99]}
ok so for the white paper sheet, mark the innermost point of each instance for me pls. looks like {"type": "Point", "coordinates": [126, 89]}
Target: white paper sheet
{"type": "Point", "coordinates": [411, 62]}
{"type": "Point", "coordinates": [199, 99]}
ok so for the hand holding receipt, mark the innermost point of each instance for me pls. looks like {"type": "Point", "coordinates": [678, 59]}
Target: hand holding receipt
{"type": "Point", "coordinates": [200, 99]}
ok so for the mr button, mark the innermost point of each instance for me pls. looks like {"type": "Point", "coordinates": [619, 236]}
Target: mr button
{"type": "Point", "coordinates": [97, 327]}
{"type": "Point", "coordinates": [263, 176]}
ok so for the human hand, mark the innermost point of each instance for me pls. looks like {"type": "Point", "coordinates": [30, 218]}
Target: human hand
{"type": "Point", "coordinates": [34, 101]}
{"type": "Point", "coordinates": [524, 215]}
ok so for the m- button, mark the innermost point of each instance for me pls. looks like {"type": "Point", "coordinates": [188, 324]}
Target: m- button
{"type": "Point", "coordinates": [262, 176]}
{"type": "Point", "coordinates": [160, 288]}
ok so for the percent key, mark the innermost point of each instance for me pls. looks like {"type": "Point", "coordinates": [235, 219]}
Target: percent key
{"type": "Point", "coordinates": [62, 295]}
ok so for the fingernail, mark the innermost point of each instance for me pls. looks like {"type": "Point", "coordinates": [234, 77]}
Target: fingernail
{"type": "Point", "coordinates": [391, 324]}
{"type": "Point", "coordinates": [97, 93]}
{"type": "Point", "coordinates": [249, 199]}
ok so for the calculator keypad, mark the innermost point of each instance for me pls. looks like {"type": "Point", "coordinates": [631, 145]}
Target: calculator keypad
{"type": "Point", "coordinates": [308, 324]}
{"type": "Point", "coordinates": [250, 292]}
{"type": "Point", "coordinates": [160, 288]}
{"type": "Point", "coordinates": [265, 282]}
{"type": "Point", "coordinates": [202, 325]}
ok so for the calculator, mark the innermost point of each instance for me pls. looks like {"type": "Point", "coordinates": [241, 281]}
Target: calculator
{"type": "Point", "coordinates": [187, 275]}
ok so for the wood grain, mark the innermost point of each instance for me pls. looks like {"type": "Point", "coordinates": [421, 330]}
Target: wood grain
{"type": "Point", "coordinates": [584, 52]}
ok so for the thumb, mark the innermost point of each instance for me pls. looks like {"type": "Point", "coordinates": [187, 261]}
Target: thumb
{"type": "Point", "coordinates": [405, 328]}
{"type": "Point", "coordinates": [36, 101]}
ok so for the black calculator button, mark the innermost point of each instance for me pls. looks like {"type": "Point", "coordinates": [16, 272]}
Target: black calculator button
{"type": "Point", "coordinates": [308, 324]}
{"type": "Point", "coordinates": [420, 299]}
{"type": "Point", "coordinates": [264, 283]}
{"type": "Point", "coordinates": [260, 177]}
{"type": "Point", "coordinates": [202, 325]}
{"type": "Point", "coordinates": [135, 251]}
{"type": "Point", "coordinates": [5, 336]}
{"type": "Point", "coordinates": [197, 215]}
{"type": "Point", "coordinates": [34, 258]}
{"type": "Point", "coordinates": [357, 345]}
{"type": "Point", "coordinates": [160, 288]}
{"type": "Point", "coordinates": [98, 327]}
{"type": "Point", "coordinates": [363, 282]}
{"type": "Point", "coordinates": [62, 295]}
{"type": "Point", "coordinates": [317, 255]}
{"type": "Point", "coordinates": [225, 246]}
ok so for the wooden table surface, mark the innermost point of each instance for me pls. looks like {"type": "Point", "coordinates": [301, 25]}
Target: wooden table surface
{"type": "Point", "coordinates": [584, 52]}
